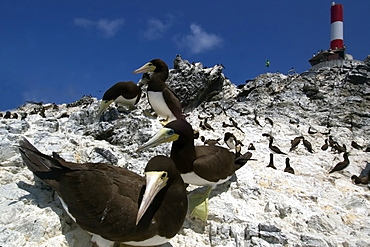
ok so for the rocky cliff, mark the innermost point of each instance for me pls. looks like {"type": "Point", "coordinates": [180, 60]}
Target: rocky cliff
{"type": "Point", "coordinates": [259, 206]}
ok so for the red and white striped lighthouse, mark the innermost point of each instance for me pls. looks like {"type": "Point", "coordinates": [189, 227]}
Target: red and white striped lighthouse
{"type": "Point", "coordinates": [336, 26]}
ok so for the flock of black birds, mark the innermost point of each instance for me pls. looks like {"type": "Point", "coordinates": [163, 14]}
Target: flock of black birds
{"type": "Point", "coordinates": [118, 205]}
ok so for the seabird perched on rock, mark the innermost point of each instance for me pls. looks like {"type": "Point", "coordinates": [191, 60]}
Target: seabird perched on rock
{"type": "Point", "coordinates": [271, 162]}
{"type": "Point", "coordinates": [288, 168]}
{"type": "Point", "coordinates": [251, 147]}
{"type": "Point", "coordinates": [198, 165]}
{"type": "Point", "coordinates": [340, 148]}
{"type": "Point", "coordinates": [341, 165]}
{"type": "Point", "coordinates": [273, 148]}
{"type": "Point", "coordinates": [307, 145]}
{"type": "Point", "coordinates": [311, 131]}
{"type": "Point", "coordinates": [124, 93]}
{"type": "Point", "coordinates": [364, 177]}
{"type": "Point", "coordinates": [356, 145]}
{"type": "Point", "coordinates": [295, 142]}
{"type": "Point", "coordinates": [112, 203]}
{"type": "Point", "coordinates": [269, 120]}
{"type": "Point", "coordinates": [207, 125]}
{"type": "Point", "coordinates": [230, 140]}
{"type": "Point", "coordinates": [161, 98]}
{"type": "Point", "coordinates": [256, 120]}
{"type": "Point", "coordinates": [235, 124]}
{"type": "Point", "coordinates": [7, 115]}
{"type": "Point", "coordinates": [325, 146]}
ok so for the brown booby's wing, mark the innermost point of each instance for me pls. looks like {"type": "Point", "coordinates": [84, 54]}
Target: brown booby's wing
{"type": "Point", "coordinates": [172, 102]}
{"type": "Point", "coordinates": [213, 163]}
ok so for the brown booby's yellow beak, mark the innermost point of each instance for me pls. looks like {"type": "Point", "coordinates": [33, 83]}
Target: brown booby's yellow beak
{"type": "Point", "coordinates": [148, 67]}
{"type": "Point", "coordinates": [155, 181]}
{"type": "Point", "coordinates": [164, 135]}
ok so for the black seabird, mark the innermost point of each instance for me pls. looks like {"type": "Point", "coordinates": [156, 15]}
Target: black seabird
{"type": "Point", "coordinates": [307, 145]}
{"type": "Point", "coordinates": [311, 131]}
{"type": "Point", "coordinates": [125, 93]}
{"type": "Point", "coordinates": [235, 124]}
{"type": "Point", "coordinates": [294, 143]}
{"type": "Point", "coordinates": [356, 145]}
{"type": "Point", "coordinates": [251, 147]}
{"type": "Point", "coordinates": [271, 162]}
{"type": "Point", "coordinates": [113, 203]}
{"type": "Point", "coordinates": [198, 165]}
{"type": "Point", "coordinates": [269, 120]}
{"type": "Point", "coordinates": [325, 146]}
{"type": "Point", "coordinates": [340, 148]}
{"type": "Point", "coordinates": [364, 177]}
{"type": "Point", "coordinates": [230, 140]}
{"type": "Point", "coordinates": [207, 125]}
{"type": "Point", "coordinates": [161, 98]}
{"type": "Point", "coordinates": [341, 165]}
{"type": "Point", "coordinates": [288, 168]}
{"type": "Point", "coordinates": [273, 148]}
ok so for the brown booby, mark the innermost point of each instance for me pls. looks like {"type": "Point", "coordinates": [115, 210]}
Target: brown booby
{"type": "Point", "coordinates": [271, 162]}
{"type": "Point", "coordinates": [198, 165]}
{"type": "Point", "coordinates": [251, 147]}
{"type": "Point", "coordinates": [340, 148]}
{"type": "Point", "coordinates": [341, 165]}
{"type": "Point", "coordinates": [273, 148]}
{"type": "Point", "coordinates": [125, 93]}
{"type": "Point", "coordinates": [325, 146]}
{"type": "Point", "coordinates": [288, 168]}
{"type": "Point", "coordinates": [207, 125]}
{"type": "Point", "coordinates": [112, 203]}
{"type": "Point", "coordinates": [230, 140]}
{"type": "Point", "coordinates": [356, 145]}
{"type": "Point", "coordinates": [364, 177]}
{"type": "Point", "coordinates": [255, 118]}
{"type": "Point", "coordinates": [294, 143]}
{"type": "Point", "coordinates": [161, 98]}
{"type": "Point", "coordinates": [311, 131]}
{"type": "Point", "coordinates": [235, 124]}
{"type": "Point", "coordinates": [307, 145]}
{"type": "Point", "coordinates": [269, 120]}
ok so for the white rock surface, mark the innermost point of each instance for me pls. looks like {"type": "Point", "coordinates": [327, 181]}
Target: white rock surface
{"type": "Point", "coordinates": [259, 206]}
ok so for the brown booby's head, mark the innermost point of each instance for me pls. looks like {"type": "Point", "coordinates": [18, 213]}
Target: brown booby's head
{"type": "Point", "coordinates": [178, 130]}
{"type": "Point", "coordinates": [160, 172]}
{"type": "Point", "coordinates": [155, 65]}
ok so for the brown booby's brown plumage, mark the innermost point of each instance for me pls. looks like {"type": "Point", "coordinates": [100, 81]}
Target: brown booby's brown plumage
{"type": "Point", "coordinates": [273, 148]}
{"type": "Point", "coordinates": [161, 98]}
{"type": "Point", "coordinates": [271, 162]}
{"type": "Point", "coordinates": [251, 146]}
{"type": "Point", "coordinates": [341, 165]}
{"type": "Point", "coordinates": [198, 165]}
{"type": "Point", "coordinates": [114, 203]}
{"type": "Point", "coordinates": [356, 145]}
{"type": "Point", "coordinates": [125, 93]}
{"type": "Point", "coordinates": [307, 145]}
{"type": "Point", "coordinates": [294, 143]}
{"type": "Point", "coordinates": [288, 168]}
{"type": "Point", "coordinates": [364, 177]}
{"type": "Point", "coordinates": [325, 146]}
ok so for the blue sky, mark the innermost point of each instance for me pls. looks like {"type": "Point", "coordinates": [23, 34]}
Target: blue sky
{"type": "Point", "coordinates": [58, 51]}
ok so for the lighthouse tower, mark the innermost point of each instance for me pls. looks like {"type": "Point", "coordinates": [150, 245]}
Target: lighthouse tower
{"type": "Point", "coordinates": [336, 26]}
{"type": "Point", "coordinates": [336, 53]}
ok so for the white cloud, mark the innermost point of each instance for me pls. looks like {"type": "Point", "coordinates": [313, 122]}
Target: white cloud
{"type": "Point", "coordinates": [106, 28]}
{"type": "Point", "coordinates": [155, 29]}
{"type": "Point", "coordinates": [199, 40]}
